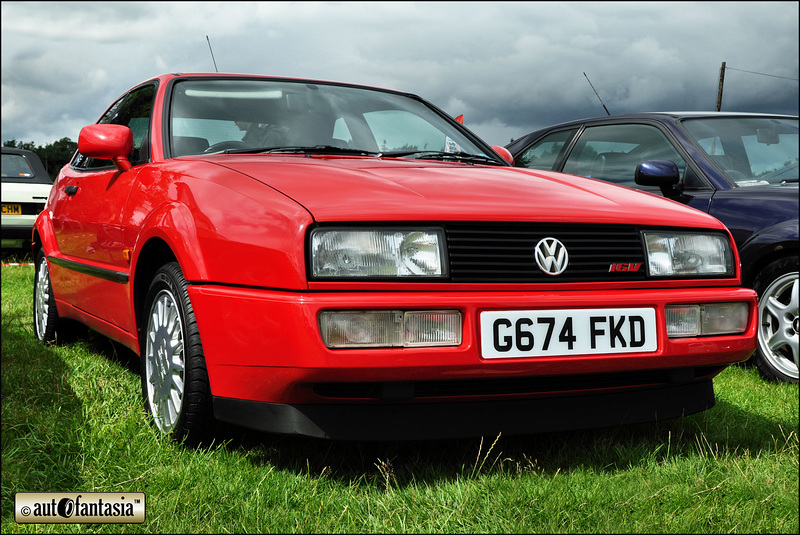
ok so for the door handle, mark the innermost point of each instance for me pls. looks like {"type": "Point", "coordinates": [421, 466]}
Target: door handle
{"type": "Point", "coordinates": [71, 190]}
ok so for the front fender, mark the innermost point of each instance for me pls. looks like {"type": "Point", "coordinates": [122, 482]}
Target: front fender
{"type": "Point", "coordinates": [763, 247]}
{"type": "Point", "coordinates": [175, 225]}
{"type": "Point", "coordinates": [222, 226]}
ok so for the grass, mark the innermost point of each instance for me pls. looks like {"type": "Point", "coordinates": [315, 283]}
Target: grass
{"type": "Point", "coordinates": [72, 421]}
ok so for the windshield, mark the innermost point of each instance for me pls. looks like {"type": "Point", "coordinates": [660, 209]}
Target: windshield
{"type": "Point", "coordinates": [214, 116]}
{"type": "Point", "coordinates": [751, 151]}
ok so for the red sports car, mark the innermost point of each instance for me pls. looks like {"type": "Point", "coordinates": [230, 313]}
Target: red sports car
{"type": "Point", "coordinates": [341, 261]}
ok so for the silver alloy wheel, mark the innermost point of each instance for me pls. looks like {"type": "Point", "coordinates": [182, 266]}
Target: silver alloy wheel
{"type": "Point", "coordinates": [165, 361]}
{"type": "Point", "coordinates": [42, 299]}
{"type": "Point", "coordinates": [778, 328]}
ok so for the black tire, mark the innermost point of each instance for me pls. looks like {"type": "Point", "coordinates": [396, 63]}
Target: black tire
{"type": "Point", "coordinates": [176, 390]}
{"type": "Point", "coordinates": [45, 315]}
{"type": "Point", "coordinates": [777, 354]}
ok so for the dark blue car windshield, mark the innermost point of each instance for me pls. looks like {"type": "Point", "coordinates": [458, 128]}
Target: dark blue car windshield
{"type": "Point", "coordinates": [751, 151]}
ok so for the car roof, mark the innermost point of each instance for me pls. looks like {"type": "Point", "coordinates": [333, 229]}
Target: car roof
{"type": "Point", "coordinates": [249, 76]}
{"type": "Point", "coordinates": [14, 150]}
{"type": "Point", "coordinates": [652, 116]}
{"type": "Point", "coordinates": [663, 114]}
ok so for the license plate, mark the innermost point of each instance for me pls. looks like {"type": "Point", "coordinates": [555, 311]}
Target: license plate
{"type": "Point", "coordinates": [12, 209]}
{"type": "Point", "coordinates": [551, 333]}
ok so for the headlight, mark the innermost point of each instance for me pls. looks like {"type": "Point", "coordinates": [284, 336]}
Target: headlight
{"type": "Point", "coordinates": [686, 254]}
{"type": "Point", "coordinates": [362, 253]}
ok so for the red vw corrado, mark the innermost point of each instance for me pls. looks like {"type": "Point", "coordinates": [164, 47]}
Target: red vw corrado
{"type": "Point", "coordinates": [341, 261]}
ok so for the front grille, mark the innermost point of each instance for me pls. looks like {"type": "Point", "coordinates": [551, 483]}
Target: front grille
{"type": "Point", "coordinates": [504, 252]}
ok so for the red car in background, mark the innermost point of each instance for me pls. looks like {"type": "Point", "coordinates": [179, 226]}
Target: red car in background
{"type": "Point", "coordinates": [348, 262]}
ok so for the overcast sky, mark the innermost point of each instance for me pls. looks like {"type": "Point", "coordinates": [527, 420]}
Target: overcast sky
{"type": "Point", "coordinates": [509, 68]}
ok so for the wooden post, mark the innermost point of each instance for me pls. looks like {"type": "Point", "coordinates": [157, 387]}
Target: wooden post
{"type": "Point", "coordinates": [721, 81]}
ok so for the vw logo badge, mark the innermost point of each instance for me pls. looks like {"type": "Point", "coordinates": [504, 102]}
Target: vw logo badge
{"type": "Point", "coordinates": [551, 256]}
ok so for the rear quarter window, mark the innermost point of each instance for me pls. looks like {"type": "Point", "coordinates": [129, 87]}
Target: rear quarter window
{"type": "Point", "coordinates": [18, 168]}
{"type": "Point", "coordinates": [15, 165]}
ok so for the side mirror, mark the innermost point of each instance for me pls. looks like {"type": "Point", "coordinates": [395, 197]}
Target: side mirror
{"type": "Point", "coordinates": [503, 153]}
{"type": "Point", "coordinates": [661, 173]}
{"type": "Point", "coordinates": [107, 142]}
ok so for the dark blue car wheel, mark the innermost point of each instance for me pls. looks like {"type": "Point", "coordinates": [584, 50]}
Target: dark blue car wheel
{"type": "Point", "coordinates": [777, 353]}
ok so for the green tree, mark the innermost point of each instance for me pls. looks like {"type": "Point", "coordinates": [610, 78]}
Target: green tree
{"type": "Point", "coordinates": [13, 143]}
{"type": "Point", "coordinates": [56, 154]}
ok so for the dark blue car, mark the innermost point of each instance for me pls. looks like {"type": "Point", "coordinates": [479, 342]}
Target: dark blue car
{"type": "Point", "coordinates": [742, 168]}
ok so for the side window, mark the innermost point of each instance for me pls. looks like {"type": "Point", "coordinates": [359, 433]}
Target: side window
{"type": "Point", "coordinates": [544, 153]}
{"type": "Point", "coordinates": [612, 152]}
{"type": "Point", "coordinates": [134, 111]}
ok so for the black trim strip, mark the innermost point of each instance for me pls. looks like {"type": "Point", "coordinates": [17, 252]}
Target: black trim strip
{"type": "Point", "coordinates": [450, 420]}
{"type": "Point", "coordinates": [513, 385]}
{"type": "Point", "coordinates": [100, 273]}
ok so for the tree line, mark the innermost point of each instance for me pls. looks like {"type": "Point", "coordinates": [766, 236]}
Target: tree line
{"type": "Point", "coordinates": [53, 155]}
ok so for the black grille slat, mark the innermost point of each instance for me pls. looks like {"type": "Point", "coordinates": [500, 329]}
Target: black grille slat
{"type": "Point", "coordinates": [496, 253]}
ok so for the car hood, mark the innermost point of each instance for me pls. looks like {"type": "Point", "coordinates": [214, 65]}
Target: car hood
{"type": "Point", "coordinates": [375, 189]}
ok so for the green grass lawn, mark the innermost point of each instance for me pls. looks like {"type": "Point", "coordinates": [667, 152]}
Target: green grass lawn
{"type": "Point", "coordinates": [72, 421]}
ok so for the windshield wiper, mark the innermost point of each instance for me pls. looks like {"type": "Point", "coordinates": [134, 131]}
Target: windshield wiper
{"type": "Point", "coordinates": [316, 149]}
{"type": "Point", "coordinates": [440, 155]}
{"type": "Point", "coordinates": [331, 149]}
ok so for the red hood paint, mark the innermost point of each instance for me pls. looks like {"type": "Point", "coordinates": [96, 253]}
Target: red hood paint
{"type": "Point", "coordinates": [374, 189]}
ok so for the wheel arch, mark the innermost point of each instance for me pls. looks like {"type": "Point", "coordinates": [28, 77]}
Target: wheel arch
{"type": "Point", "coordinates": [154, 254]}
{"type": "Point", "coordinates": [766, 247]}
{"type": "Point", "coordinates": [169, 234]}
{"type": "Point", "coordinates": [42, 234]}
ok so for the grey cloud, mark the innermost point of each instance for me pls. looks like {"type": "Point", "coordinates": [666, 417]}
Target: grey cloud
{"type": "Point", "coordinates": [508, 67]}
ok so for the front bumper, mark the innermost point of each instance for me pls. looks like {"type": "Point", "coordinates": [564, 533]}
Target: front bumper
{"type": "Point", "coordinates": [265, 346]}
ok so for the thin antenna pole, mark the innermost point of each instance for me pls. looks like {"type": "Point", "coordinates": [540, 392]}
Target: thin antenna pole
{"type": "Point", "coordinates": [721, 83]}
{"type": "Point", "coordinates": [598, 96]}
{"type": "Point", "coordinates": [212, 54]}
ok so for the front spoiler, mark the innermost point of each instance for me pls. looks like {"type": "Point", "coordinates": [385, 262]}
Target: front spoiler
{"type": "Point", "coordinates": [448, 420]}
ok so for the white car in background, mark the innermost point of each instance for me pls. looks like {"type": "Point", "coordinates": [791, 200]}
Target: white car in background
{"type": "Point", "coordinates": [26, 186]}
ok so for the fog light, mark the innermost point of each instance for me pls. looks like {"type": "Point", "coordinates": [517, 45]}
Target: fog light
{"type": "Point", "coordinates": [706, 320]}
{"type": "Point", "coordinates": [390, 328]}
{"type": "Point", "coordinates": [683, 321]}
{"type": "Point", "coordinates": [433, 328]}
